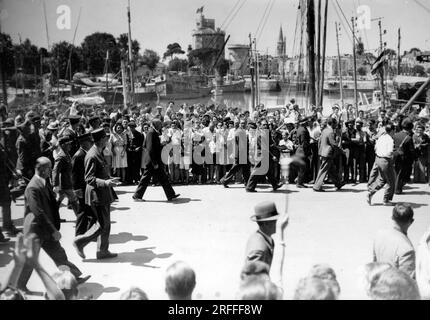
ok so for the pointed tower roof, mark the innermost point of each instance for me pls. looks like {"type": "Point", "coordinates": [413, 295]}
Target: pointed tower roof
{"type": "Point", "coordinates": [281, 35]}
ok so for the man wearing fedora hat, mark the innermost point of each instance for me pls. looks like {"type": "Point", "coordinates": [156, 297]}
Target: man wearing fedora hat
{"type": "Point", "coordinates": [261, 245]}
{"type": "Point", "coordinates": [99, 195]}
{"type": "Point", "coordinates": [62, 174]}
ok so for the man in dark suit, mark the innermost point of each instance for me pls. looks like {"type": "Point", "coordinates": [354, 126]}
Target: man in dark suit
{"type": "Point", "coordinates": [134, 153]}
{"type": "Point", "coordinates": [303, 151]}
{"type": "Point", "coordinates": [153, 164]}
{"type": "Point", "coordinates": [99, 195]}
{"type": "Point", "coordinates": [42, 218]}
{"type": "Point", "coordinates": [404, 155]}
{"type": "Point", "coordinates": [327, 149]}
{"type": "Point", "coordinates": [241, 161]}
{"type": "Point", "coordinates": [85, 215]}
{"type": "Point", "coordinates": [266, 150]}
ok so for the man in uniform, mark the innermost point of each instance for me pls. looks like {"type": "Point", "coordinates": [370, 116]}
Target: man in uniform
{"type": "Point", "coordinates": [99, 195]}
{"type": "Point", "coordinates": [84, 216]}
{"type": "Point", "coordinates": [153, 165]}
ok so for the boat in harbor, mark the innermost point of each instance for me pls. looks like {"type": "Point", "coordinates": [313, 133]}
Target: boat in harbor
{"type": "Point", "coordinates": [265, 83]}
{"type": "Point", "coordinates": [177, 85]}
{"type": "Point", "coordinates": [332, 86]}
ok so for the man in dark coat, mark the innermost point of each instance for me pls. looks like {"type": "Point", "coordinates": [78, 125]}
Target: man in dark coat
{"type": "Point", "coordinates": [266, 151]}
{"type": "Point", "coordinates": [85, 215]}
{"type": "Point", "coordinates": [241, 160]}
{"type": "Point", "coordinates": [303, 150]}
{"type": "Point", "coordinates": [153, 164]}
{"type": "Point", "coordinates": [62, 174]}
{"type": "Point", "coordinates": [134, 153]}
{"type": "Point", "coordinates": [5, 195]}
{"type": "Point", "coordinates": [26, 161]}
{"type": "Point", "coordinates": [404, 155]}
{"type": "Point", "coordinates": [42, 218]}
{"type": "Point", "coordinates": [327, 150]}
{"type": "Point", "coordinates": [99, 195]}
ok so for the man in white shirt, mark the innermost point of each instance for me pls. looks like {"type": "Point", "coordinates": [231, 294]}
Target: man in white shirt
{"type": "Point", "coordinates": [384, 164]}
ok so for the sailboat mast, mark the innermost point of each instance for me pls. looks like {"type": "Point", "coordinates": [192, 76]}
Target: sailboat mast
{"type": "Point", "coordinates": [381, 71]}
{"type": "Point", "coordinates": [355, 65]}
{"type": "Point", "coordinates": [130, 54]}
{"type": "Point", "coordinates": [339, 65]}
{"type": "Point", "coordinates": [399, 59]}
{"type": "Point", "coordinates": [321, 84]}
{"type": "Point", "coordinates": [311, 49]}
{"type": "Point", "coordinates": [252, 73]}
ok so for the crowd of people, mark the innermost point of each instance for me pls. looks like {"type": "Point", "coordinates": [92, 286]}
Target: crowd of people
{"type": "Point", "coordinates": [83, 153]}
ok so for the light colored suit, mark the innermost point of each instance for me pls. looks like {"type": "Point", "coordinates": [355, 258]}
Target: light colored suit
{"type": "Point", "coordinates": [260, 248]}
{"type": "Point", "coordinates": [394, 247]}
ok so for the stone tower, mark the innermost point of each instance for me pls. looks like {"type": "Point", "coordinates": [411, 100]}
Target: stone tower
{"type": "Point", "coordinates": [281, 48]}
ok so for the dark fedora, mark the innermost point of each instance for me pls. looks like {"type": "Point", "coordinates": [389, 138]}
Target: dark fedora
{"type": "Point", "coordinates": [265, 211]}
{"type": "Point", "coordinates": [85, 137]}
{"type": "Point", "coordinates": [74, 119]}
{"type": "Point", "coordinates": [98, 134]}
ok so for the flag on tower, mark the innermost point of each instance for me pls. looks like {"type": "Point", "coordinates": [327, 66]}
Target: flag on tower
{"type": "Point", "coordinates": [200, 10]}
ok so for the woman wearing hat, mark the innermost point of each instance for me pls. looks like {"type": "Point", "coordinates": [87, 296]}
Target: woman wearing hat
{"type": "Point", "coordinates": [119, 140]}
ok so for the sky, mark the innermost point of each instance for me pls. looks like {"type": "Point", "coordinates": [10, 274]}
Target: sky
{"type": "Point", "coordinates": [156, 23]}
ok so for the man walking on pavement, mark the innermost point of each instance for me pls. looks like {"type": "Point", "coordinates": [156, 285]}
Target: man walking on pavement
{"type": "Point", "coordinates": [326, 151]}
{"type": "Point", "coordinates": [85, 215]}
{"type": "Point", "coordinates": [384, 164]}
{"type": "Point", "coordinates": [42, 218]}
{"type": "Point", "coordinates": [62, 174]}
{"type": "Point", "coordinates": [241, 161]}
{"type": "Point", "coordinates": [153, 164]}
{"type": "Point", "coordinates": [99, 195]}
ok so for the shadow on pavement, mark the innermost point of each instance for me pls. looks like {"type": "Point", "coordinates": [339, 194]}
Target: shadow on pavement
{"type": "Point", "coordinates": [140, 257]}
{"type": "Point", "coordinates": [94, 290]}
{"type": "Point", "coordinates": [176, 201]}
{"type": "Point", "coordinates": [278, 191]}
{"type": "Point", "coordinates": [413, 205]}
{"type": "Point", "coordinates": [124, 237]}
{"type": "Point", "coordinates": [119, 208]}
{"type": "Point", "coordinates": [119, 192]}
{"type": "Point", "coordinates": [417, 193]}
{"type": "Point", "coordinates": [351, 190]}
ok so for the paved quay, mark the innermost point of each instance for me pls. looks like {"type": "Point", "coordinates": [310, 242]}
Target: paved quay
{"type": "Point", "coordinates": [208, 228]}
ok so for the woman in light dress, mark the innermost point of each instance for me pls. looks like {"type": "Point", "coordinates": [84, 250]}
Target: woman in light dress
{"type": "Point", "coordinates": [118, 141]}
